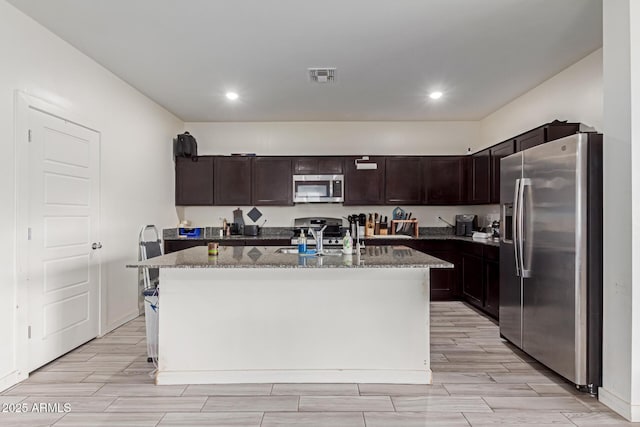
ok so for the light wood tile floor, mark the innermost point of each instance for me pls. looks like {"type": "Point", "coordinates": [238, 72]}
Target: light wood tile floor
{"type": "Point", "coordinates": [479, 380]}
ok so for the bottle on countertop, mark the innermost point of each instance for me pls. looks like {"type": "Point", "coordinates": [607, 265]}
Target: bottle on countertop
{"type": "Point", "coordinates": [302, 243]}
{"type": "Point", "coordinates": [347, 244]}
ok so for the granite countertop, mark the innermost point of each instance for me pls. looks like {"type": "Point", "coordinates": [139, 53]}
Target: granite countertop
{"type": "Point", "coordinates": [426, 233]}
{"type": "Point", "coordinates": [267, 257]}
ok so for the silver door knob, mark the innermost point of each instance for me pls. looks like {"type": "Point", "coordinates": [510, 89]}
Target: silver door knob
{"type": "Point", "coordinates": [97, 245]}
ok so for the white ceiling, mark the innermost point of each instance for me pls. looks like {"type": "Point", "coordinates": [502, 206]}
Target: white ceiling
{"type": "Point", "coordinates": [185, 54]}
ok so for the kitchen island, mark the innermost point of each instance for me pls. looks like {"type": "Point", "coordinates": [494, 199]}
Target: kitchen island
{"type": "Point", "coordinates": [260, 315]}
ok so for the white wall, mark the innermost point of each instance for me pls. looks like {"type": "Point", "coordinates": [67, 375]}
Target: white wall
{"type": "Point", "coordinates": [339, 138]}
{"type": "Point", "coordinates": [336, 138]}
{"type": "Point", "coordinates": [574, 94]}
{"type": "Point", "coordinates": [137, 185]}
{"type": "Point", "coordinates": [279, 216]}
{"type": "Point", "coordinates": [621, 359]}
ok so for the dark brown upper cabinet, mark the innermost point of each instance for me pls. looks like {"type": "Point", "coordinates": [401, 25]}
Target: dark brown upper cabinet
{"type": "Point", "coordinates": [546, 133]}
{"type": "Point", "coordinates": [364, 186]}
{"type": "Point", "coordinates": [443, 180]}
{"type": "Point", "coordinates": [480, 174]}
{"type": "Point", "coordinates": [556, 130]}
{"type": "Point", "coordinates": [194, 181]}
{"type": "Point", "coordinates": [403, 180]}
{"type": "Point", "coordinates": [498, 152]}
{"type": "Point", "coordinates": [398, 180]}
{"type": "Point", "coordinates": [232, 181]}
{"type": "Point", "coordinates": [272, 181]}
{"type": "Point", "coordinates": [530, 139]}
{"type": "Point", "coordinates": [318, 165]}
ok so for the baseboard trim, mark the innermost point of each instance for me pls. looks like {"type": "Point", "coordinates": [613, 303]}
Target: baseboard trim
{"type": "Point", "coordinates": [120, 321]}
{"type": "Point", "coordinates": [11, 379]}
{"type": "Point", "coordinates": [621, 406]}
{"type": "Point", "coordinates": [294, 376]}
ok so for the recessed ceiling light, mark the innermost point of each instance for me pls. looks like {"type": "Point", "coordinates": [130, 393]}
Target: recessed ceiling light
{"type": "Point", "coordinates": [231, 96]}
{"type": "Point", "coordinates": [435, 95]}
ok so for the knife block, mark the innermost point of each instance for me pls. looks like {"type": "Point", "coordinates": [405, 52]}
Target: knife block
{"type": "Point", "coordinates": [406, 223]}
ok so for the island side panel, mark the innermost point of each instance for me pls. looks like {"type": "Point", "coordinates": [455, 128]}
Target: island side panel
{"type": "Point", "coordinates": [294, 325]}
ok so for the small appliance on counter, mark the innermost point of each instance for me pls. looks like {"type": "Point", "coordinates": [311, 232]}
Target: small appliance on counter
{"type": "Point", "coordinates": [184, 232]}
{"type": "Point", "coordinates": [236, 229]}
{"type": "Point", "coordinates": [253, 230]}
{"type": "Point", "coordinates": [466, 224]}
{"type": "Point", "coordinates": [495, 227]}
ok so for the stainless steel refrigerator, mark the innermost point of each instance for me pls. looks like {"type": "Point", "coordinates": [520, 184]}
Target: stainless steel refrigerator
{"type": "Point", "coordinates": [551, 255]}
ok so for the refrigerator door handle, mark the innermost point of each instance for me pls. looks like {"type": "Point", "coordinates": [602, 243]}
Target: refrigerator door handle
{"type": "Point", "coordinates": [524, 182]}
{"type": "Point", "coordinates": [516, 227]}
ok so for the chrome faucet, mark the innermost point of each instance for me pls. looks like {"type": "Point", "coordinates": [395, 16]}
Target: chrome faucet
{"type": "Point", "coordinates": [358, 236]}
{"type": "Point", "coordinates": [318, 235]}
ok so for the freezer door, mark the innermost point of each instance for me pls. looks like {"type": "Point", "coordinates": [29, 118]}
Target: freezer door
{"type": "Point", "coordinates": [510, 281]}
{"type": "Point", "coordinates": [554, 286]}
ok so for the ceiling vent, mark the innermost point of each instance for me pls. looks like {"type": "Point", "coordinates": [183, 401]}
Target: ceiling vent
{"type": "Point", "coordinates": [322, 75]}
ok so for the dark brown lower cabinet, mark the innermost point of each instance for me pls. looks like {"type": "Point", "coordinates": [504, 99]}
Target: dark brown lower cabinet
{"type": "Point", "coordinates": [473, 279]}
{"type": "Point", "coordinates": [268, 242]}
{"type": "Point", "coordinates": [481, 276]}
{"type": "Point", "coordinates": [492, 288]}
{"type": "Point", "coordinates": [178, 245]}
{"type": "Point", "coordinates": [444, 282]}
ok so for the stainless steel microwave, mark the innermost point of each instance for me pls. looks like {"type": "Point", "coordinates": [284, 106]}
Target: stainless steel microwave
{"type": "Point", "coordinates": [318, 188]}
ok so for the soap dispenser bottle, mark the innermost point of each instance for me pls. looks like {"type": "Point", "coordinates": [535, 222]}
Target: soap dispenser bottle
{"type": "Point", "coordinates": [347, 244]}
{"type": "Point", "coordinates": [302, 243]}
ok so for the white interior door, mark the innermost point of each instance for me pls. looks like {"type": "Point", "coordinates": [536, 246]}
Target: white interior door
{"type": "Point", "coordinates": [63, 269]}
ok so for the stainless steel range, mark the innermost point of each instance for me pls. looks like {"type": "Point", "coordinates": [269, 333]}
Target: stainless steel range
{"type": "Point", "coordinates": [332, 232]}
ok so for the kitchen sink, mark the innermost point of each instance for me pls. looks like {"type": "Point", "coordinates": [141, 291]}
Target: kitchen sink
{"type": "Point", "coordinates": [325, 251]}
{"type": "Point", "coordinates": [287, 251]}
{"type": "Point", "coordinates": [332, 251]}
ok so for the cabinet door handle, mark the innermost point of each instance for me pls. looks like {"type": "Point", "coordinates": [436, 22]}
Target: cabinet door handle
{"type": "Point", "coordinates": [96, 245]}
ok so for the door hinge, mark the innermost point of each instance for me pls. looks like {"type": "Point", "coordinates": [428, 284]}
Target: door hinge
{"type": "Point", "coordinates": [29, 332]}
{"type": "Point", "coordinates": [29, 135]}
{"type": "Point", "coordinates": [29, 233]}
